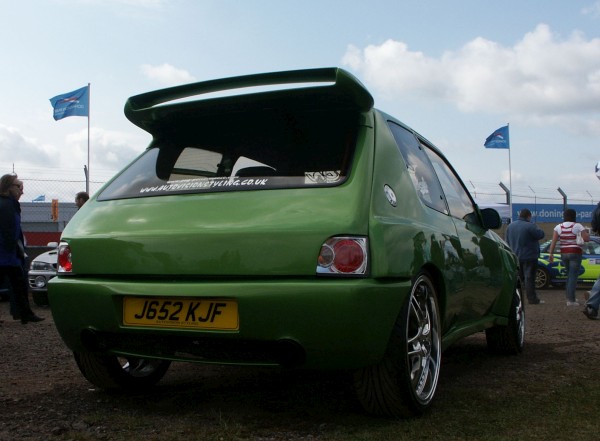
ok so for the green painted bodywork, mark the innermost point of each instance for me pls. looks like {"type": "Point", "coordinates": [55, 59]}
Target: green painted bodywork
{"type": "Point", "coordinates": [261, 247]}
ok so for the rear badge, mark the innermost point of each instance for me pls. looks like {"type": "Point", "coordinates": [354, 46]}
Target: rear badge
{"type": "Point", "coordinates": [390, 195]}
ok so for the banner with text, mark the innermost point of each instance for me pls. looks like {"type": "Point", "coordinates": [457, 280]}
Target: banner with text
{"type": "Point", "coordinates": [554, 212]}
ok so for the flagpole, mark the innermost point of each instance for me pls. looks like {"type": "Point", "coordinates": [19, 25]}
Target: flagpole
{"type": "Point", "coordinates": [500, 139]}
{"type": "Point", "coordinates": [87, 176]}
{"type": "Point", "coordinates": [75, 103]}
{"type": "Point", "coordinates": [509, 173]}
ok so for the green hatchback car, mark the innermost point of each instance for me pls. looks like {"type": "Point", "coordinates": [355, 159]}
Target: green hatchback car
{"type": "Point", "coordinates": [290, 225]}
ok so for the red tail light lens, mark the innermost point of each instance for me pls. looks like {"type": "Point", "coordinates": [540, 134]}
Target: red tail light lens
{"type": "Point", "coordinates": [343, 255]}
{"type": "Point", "coordinates": [64, 258]}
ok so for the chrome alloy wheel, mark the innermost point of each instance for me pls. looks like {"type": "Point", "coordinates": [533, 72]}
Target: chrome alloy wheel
{"type": "Point", "coordinates": [519, 317]}
{"type": "Point", "coordinates": [423, 340]}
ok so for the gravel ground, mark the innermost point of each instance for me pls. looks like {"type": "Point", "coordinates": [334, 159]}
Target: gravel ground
{"type": "Point", "coordinates": [44, 397]}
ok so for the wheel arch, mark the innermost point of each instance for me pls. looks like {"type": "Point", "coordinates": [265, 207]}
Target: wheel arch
{"type": "Point", "coordinates": [437, 278]}
{"type": "Point", "coordinates": [403, 384]}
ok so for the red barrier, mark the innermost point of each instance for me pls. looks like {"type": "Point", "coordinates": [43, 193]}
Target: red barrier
{"type": "Point", "coordinates": [40, 238]}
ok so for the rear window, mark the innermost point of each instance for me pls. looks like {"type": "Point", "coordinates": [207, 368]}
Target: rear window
{"type": "Point", "coordinates": [247, 151]}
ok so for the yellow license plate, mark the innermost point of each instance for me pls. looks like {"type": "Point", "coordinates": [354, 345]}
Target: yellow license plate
{"type": "Point", "coordinates": [181, 313]}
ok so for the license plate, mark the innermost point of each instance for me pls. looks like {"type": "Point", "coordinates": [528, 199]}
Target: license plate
{"type": "Point", "coordinates": [181, 313]}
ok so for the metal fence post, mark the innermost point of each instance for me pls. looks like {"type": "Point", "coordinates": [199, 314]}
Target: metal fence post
{"type": "Point", "coordinates": [564, 195]}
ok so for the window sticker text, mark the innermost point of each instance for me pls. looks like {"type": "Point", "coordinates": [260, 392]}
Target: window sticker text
{"type": "Point", "coordinates": [204, 184]}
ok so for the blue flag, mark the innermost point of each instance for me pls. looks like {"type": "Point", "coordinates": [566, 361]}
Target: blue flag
{"type": "Point", "coordinates": [498, 139]}
{"type": "Point", "coordinates": [76, 103]}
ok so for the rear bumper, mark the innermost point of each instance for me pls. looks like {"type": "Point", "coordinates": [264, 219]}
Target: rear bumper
{"type": "Point", "coordinates": [318, 323]}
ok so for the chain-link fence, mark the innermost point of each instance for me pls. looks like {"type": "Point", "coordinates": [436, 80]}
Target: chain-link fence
{"type": "Point", "coordinates": [41, 225]}
{"type": "Point", "coordinates": [532, 194]}
{"type": "Point", "coordinates": [45, 190]}
{"type": "Point", "coordinates": [47, 206]}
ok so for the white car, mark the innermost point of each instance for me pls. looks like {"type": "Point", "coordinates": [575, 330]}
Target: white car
{"type": "Point", "coordinates": [41, 270]}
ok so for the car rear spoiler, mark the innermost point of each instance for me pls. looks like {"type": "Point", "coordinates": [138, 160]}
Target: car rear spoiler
{"type": "Point", "coordinates": [332, 87]}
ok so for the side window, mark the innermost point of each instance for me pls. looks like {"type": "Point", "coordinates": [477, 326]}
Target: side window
{"type": "Point", "coordinates": [419, 167]}
{"type": "Point", "coordinates": [457, 197]}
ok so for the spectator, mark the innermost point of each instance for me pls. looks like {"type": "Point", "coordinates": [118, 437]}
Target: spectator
{"type": "Point", "coordinates": [81, 198]}
{"type": "Point", "coordinates": [570, 252]}
{"type": "Point", "coordinates": [523, 238]}
{"type": "Point", "coordinates": [593, 297]}
{"type": "Point", "coordinates": [12, 248]}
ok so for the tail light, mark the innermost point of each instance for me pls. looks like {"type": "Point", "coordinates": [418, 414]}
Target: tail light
{"type": "Point", "coordinates": [343, 256]}
{"type": "Point", "coordinates": [64, 258]}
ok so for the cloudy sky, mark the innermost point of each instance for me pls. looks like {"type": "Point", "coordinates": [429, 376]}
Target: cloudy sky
{"type": "Point", "coordinates": [453, 70]}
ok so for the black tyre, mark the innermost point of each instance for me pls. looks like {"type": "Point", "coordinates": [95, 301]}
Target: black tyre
{"type": "Point", "coordinates": [40, 298]}
{"type": "Point", "coordinates": [542, 278]}
{"type": "Point", "coordinates": [404, 383]}
{"type": "Point", "coordinates": [112, 372]}
{"type": "Point", "coordinates": [509, 339]}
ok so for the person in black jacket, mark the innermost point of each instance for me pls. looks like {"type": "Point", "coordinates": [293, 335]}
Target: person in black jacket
{"type": "Point", "coordinates": [592, 301]}
{"type": "Point", "coordinates": [523, 237]}
{"type": "Point", "coordinates": [12, 248]}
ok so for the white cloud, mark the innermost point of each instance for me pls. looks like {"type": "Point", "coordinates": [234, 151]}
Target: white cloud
{"type": "Point", "coordinates": [109, 150]}
{"type": "Point", "coordinates": [540, 77]}
{"type": "Point", "coordinates": [167, 74]}
{"type": "Point", "coordinates": [17, 149]}
{"type": "Point", "coordinates": [593, 10]}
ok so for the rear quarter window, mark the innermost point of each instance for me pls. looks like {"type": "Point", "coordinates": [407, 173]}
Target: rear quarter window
{"type": "Point", "coordinates": [419, 168]}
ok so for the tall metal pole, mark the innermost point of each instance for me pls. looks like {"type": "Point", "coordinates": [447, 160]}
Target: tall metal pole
{"type": "Point", "coordinates": [509, 170]}
{"type": "Point", "coordinates": [564, 195]}
{"type": "Point", "coordinates": [534, 203]}
{"type": "Point", "coordinates": [87, 175]}
{"type": "Point", "coordinates": [508, 198]}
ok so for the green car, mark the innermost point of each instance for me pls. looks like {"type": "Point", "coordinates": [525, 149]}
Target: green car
{"type": "Point", "coordinates": [289, 225]}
